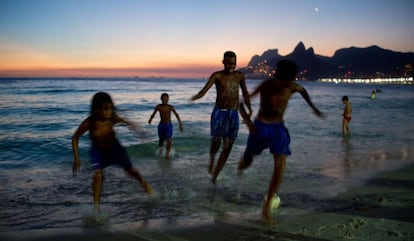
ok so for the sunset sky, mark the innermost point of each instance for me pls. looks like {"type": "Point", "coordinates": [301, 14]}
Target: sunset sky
{"type": "Point", "coordinates": [185, 38]}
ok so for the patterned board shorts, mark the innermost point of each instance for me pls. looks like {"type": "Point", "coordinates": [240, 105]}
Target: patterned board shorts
{"type": "Point", "coordinates": [224, 123]}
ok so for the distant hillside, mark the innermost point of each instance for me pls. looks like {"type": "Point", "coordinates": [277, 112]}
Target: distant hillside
{"type": "Point", "coordinates": [350, 62]}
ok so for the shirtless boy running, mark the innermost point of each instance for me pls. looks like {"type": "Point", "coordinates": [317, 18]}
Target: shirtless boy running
{"type": "Point", "coordinates": [268, 130]}
{"type": "Point", "coordinates": [225, 117]}
{"type": "Point", "coordinates": [106, 150]}
{"type": "Point", "coordinates": [165, 127]}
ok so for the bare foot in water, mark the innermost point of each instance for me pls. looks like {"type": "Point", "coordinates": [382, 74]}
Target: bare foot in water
{"type": "Point", "coordinates": [210, 168]}
{"type": "Point", "coordinates": [148, 189]}
{"type": "Point", "coordinates": [213, 179]}
{"type": "Point", "coordinates": [267, 218]}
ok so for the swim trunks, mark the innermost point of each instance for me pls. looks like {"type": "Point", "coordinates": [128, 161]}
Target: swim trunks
{"type": "Point", "coordinates": [115, 154]}
{"type": "Point", "coordinates": [348, 118]}
{"type": "Point", "coordinates": [224, 123]}
{"type": "Point", "coordinates": [272, 135]}
{"type": "Point", "coordinates": [165, 131]}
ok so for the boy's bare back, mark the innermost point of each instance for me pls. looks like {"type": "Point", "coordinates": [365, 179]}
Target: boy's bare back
{"type": "Point", "coordinates": [274, 97]}
{"type": "Point", "coordinates": [348, 109]}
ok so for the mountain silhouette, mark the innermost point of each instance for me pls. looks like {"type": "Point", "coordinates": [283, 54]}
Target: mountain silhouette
{"type": "Point", "coordinates": [350, 62]}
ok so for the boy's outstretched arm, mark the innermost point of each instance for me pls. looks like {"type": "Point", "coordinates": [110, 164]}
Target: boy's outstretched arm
{"type": "Point", "coordinates": [246, 96]}
{"type": "Point", "coordinates": [152, 115]}
{"type": "Point", "coordinates": [178, 118]}
{"type": "Point", "coordinates": [83, 127]}
{"type": "Point", "coordinates": [305, 96]}
{"type": "Point", "coordinates": [130, 124]}
{"type": "Point", "coordinates": [257, 90]}
{"type": "Point", "coordinates": [246, 118]}
{"type": "Point", "coordinates": [204, 90]}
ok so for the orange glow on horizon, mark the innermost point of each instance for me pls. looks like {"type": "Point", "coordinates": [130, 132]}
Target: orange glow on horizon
{"type": "Point", "coordinates": [19, 60]}
{"type": "Point", "coordinates": [191, 71]}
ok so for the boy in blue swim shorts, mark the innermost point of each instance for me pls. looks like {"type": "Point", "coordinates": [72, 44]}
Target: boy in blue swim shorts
{"type": "Point", "coordinates": [274, 136]}
{"type": "Point", "coordinates": [165, 127]}
{"type": "Point", "coordinates": [165, 131]}
{"type": "Point", "coordinates": [224, 123]}
{"type": "Point", "coordinates": [268, 129]}
{"type": "Point", "coordinates": [224, 118]}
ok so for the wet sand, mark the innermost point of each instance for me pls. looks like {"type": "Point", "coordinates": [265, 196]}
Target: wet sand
{"type": "Point", "coordinates": [379, 209]}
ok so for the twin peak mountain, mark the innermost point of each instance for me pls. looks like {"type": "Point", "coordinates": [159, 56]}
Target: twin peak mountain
{"type": "Point", "coordinates": [353, 62]}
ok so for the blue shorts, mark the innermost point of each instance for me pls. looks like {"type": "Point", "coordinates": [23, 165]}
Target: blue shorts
{"type": "Point", "coordinates": [273, 135]}
{"type": "Point", "coordinates": [115, 154]}
{"type": "Point", "coordinates": [224, 123]}
{"type": "Point", "coordinates": [165, 131]}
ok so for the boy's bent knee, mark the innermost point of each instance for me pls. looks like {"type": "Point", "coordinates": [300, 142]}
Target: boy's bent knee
{"type": "Point", "coordinates": [98, 172]}
{"type": "Point", "coordinates": [98, 175]}
{"type": "Point", "coordinates": [133, 172]}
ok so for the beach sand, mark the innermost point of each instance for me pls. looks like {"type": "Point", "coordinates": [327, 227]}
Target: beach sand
{"type": "Point", "coordinates": [380, 209]}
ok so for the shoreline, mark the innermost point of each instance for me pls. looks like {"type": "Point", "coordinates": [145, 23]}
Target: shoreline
{"type": "Point", "coordinates": [379, 209]}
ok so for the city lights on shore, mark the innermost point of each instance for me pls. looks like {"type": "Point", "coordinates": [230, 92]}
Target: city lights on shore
{"type": "Point", "coordinates": [402, 80]}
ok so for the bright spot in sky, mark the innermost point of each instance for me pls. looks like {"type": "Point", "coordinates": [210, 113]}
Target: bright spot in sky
{"type": "Point", "coordinates": [316, 9]}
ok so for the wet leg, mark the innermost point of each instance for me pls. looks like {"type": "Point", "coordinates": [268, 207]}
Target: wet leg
{"type": "Point", "coordinates": [274, 185]}
{"type": "Point", "coordinates": [167, 153]}
{"type": "Point", "coordinates": [97, 180]}
{"type": "Point", "coordinates": [228, 144]}
{"type": "Point", "coordinates": [215, 145]}
{"type": "Point", "coordinates": [135, 174]}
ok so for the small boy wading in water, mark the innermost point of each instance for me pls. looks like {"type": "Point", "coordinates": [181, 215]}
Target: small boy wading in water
{"type": "Point", "coordinates": [106, 149]}
{"type": "Point", "coordinates": [165, 127]}
{"type": "Point", "coordinates": [347, 116]}
{"type": "Point", "coordinates": [268, 129]}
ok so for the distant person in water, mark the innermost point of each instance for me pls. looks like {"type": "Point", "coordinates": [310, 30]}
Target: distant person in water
{"type": "Point", "coordinates": [165, 127]}
{"type": "Point", "coordinates": [225, 116]}
{"type": "Point", "coordinates": [106, 149]}
{"type": "Point", "coordinates": [347, 116]}
{"type": "Point", "coordinates": [268, 129]}
{"type": "Point", "coordinates": [373, 95]}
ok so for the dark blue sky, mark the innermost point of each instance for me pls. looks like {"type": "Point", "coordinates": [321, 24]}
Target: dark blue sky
{"type": "Point", "coordinates": [191, 35]}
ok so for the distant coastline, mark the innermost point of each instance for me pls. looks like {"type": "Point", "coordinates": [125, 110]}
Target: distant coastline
{"type": "Point", "coordinates": [372, 62]}
{"type": "Point", "coordinates": [401, 81]}
{"type": "Point", "coordinates": [382, 81]}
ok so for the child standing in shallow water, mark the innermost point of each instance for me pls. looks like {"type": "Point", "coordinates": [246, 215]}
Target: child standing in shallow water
{"type": "Point", "coordinates": [347, 116]}
{"type": "Point", "coordinates": [165, 127]}
{"type": "Point", "coordinates": [106, 149]}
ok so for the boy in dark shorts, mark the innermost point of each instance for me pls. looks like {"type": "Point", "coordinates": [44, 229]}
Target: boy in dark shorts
{"type": "Point", "coordinates": [106, 149]}
{"type": "Point", "coordinates": [165, 127]}
{"type": "Point", "coordinates": [268, 129]}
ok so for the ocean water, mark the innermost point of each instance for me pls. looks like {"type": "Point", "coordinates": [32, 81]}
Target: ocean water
{"type": "Point", "coordinates": [39, 116]}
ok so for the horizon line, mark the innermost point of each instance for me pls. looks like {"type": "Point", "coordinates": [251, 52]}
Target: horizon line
{"type": "Point", "coordinates": [102, 72]}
